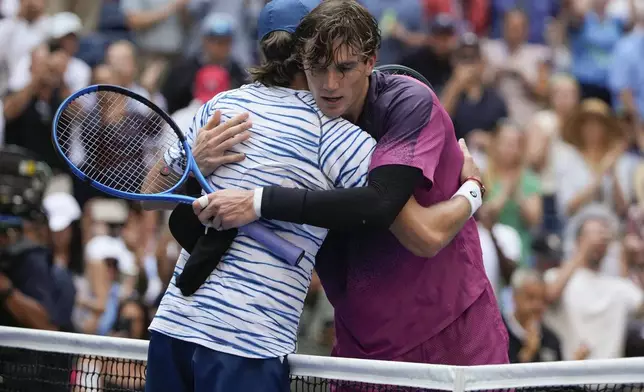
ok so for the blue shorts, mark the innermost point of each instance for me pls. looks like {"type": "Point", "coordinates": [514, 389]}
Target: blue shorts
{"type": "Point", "coordinates": [178, 366]}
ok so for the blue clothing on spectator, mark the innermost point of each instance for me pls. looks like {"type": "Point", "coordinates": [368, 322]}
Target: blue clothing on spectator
{"type": "Point", "coordinates": [65, 296]}
{"type": "Point", "coordinates": [539, 13]}
{"type": "Point", "coordinates": [591, 46]}
{"type": "Point", "coordinates": [31, 274]}
{"type": "Point", "coordinates": [409, 13]}
{"type": "Point", "coordinates": [627, 69]}
{"type": "Point", "coordinates": [111, 313]}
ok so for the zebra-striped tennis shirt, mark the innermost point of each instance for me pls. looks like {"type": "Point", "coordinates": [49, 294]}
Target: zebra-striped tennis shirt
{"type": "Point", "coordinates": [251, 304]}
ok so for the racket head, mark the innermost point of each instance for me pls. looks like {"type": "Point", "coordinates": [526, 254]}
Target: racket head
{"type": "Point", "coordinates": [397, 69]}
{"type": "Point", "coordinates": [121, 136]}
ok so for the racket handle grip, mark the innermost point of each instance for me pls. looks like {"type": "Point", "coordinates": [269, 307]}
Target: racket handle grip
{"type": "Point", "coordinates": [276, 244]}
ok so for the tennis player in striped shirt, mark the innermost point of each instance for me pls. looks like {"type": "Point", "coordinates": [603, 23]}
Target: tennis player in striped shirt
{"type": "Point", "coordinates": [234, 333]}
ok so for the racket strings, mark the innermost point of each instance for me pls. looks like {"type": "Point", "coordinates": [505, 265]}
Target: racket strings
{"type": "Point", "coordinates": [123, 142]}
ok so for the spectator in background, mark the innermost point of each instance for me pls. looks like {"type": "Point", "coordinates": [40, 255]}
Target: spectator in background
{"type": "Point", "coordinates": [590, 310]}
{"type": "Point", "coordinates": [63, 36]}
{"type": "Point", "coordinates": [432, 57]}
{"type": "Point", "coordinates": [475, 109]}
{"type": "Point", "coordinates": [243, 14]}
{"type": "Point", "coordinates": [543, 142]}
{"type": "Point", "coordinates": [593, 35]}
{"type": "Point", "coordinates": [63, 214]}
{"type": "Point", "coordinates": [501, 248]}
{"type": "Point", "coordinates": [87, 11]}
{"type": "Point", "coordinates": [217, 35]}
{"type": "Point", "coordinates": [473, 14]}
{"type": "Point", "coordinates": [157, 26]}
{"type": "Point", "coordinates": [518, 68]}
{"type": "Point", "coordinates": [30, 111]}
{"type": "Point", "coordinates": [102, 286]}
{"type": "Point", "coordinates": [540, 14]}
{"type": "Point", "coordinates": [626, 73]}
{"type": "Point", "coordinates": [514, 192]}
{"type": "Point", "coordinates": [530, 339]}
{"type": "Point", "coordinates": [121, 57]}
{"type": "Point", "coordinates": [589, 170]}
{"type": "Point", "coordinates": [209, 81]}
{"type": "Point", "coordinates": [19, 36]}
{"type": "Point", "coordinates": [396, 20]}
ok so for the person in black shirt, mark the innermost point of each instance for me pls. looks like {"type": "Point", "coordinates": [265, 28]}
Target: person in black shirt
{"type": "Point", "coordinates": [530, 340]}
{"type": "Point", "coordinates": [217, 43]}
{"type": "Point", "coordinates": [475, 109]}
{"type": "Point", "coordinates": [30, 112]}
{"type": "Point", "coordinates": [433, 59]}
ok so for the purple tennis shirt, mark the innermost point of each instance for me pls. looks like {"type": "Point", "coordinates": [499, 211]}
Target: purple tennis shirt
{"type": "Point", "coordinates": [388, 301]}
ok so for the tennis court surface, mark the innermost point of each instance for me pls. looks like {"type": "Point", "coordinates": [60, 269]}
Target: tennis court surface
{"type": "Point", "coordinates": [33, 360]}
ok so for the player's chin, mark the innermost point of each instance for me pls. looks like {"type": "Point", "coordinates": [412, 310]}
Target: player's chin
{"type": "Point", "coordinates": [332, 108]}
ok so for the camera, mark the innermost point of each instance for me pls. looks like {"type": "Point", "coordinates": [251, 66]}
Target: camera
{"type": "Point", "coordinates": [23, 180]}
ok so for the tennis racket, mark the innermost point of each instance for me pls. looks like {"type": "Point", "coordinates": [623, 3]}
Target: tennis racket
{"type": "Point", "coordinates": [124, 145]}
{"type": "Point", "coordinates": [395, 69]}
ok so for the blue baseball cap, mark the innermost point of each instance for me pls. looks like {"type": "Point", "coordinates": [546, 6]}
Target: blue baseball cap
{"type": "Point", "coordinates": [218, 24]}
{"type": "Point", "coordinates": [283, 15]}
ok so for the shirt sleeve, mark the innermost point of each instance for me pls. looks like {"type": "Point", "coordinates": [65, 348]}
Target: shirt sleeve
{"type": "Point", "coordinates": [414, 133]}
{"type": "Point", "coordinates": [620, 73]}
{"type": "Point", "coordinates": [633, 295]}
{"type": "Point", "coordinates": [345, 153]}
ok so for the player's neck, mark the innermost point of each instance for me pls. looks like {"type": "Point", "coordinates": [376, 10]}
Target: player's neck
{"type": "Point", "coordinates": [299, 82]}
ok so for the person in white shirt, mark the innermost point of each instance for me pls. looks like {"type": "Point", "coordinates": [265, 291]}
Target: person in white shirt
{"type": "Point", "coordinates": [19, 36]}
{"type": "Point", "coordinates": [590, 310]}
{"type": "Point", "coordinates": [63, 33]}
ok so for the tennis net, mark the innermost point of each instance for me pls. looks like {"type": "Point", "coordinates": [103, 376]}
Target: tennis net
{"type": "Point", "coordinates": [35, 361]}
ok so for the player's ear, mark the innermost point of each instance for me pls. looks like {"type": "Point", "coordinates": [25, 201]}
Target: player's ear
{"type": "Point", "coordinates": [370, 63]}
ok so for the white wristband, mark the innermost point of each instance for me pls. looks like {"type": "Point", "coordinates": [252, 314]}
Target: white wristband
{"type": "Point", "coordinates": [471, 191]}
{"type": "Point", "coordinates": [257, 201]}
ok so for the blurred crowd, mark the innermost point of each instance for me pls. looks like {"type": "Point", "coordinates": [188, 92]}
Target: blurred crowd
{"type": "Point", "coordinates": [549, 95]}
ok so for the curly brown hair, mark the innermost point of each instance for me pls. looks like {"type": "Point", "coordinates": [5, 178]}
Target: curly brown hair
{"type": "Point", "coordinates": [334, 21]}
{"type": "Point", "coordinates": [280, 62]}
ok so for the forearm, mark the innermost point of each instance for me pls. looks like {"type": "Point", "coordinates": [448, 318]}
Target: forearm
{"type": "Point", "coordinates": [424, 231]}
{"type": "Point", "coordinates": [621, 205]}
{"type": "Point", "coordinates": [450, 95]}
{"type": "Point", "coordinates": [16, 103]}
{"type": "Point", "coordinates": [531, 211]}
{"type": "Point", "coordinates": [506, 265]}
{"type": "Point", "coordinates": [159, 179]}
{"type": "Point", "coordinates": [554, 289]}
{"type": "Point", "coordinates": [144, 19]}
{"type": "Point", "coordinates": [27, 311]}
{"type": "Point", "coordinates": [581, 199]}
{"type": "Point", "coordinates": [372, 207]}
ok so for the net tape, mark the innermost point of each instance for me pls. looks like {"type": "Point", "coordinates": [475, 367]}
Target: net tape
{"type": "Point", "coordinates": [43, 360]}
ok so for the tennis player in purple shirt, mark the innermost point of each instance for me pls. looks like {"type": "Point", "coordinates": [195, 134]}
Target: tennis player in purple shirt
{"type": "Point", "coordinates": [402, 263]}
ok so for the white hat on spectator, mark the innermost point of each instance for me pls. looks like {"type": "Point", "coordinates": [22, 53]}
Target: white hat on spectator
{"type": "Point", "coordinates": [62, 209]}
{"type": "Point", "coordinates": [64, 23]}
